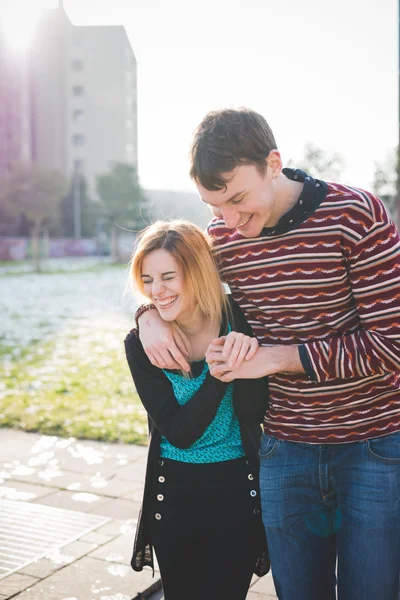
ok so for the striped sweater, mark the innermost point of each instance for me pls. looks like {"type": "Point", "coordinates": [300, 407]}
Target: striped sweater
{"type": "Point", "coordinates": [330, 284]}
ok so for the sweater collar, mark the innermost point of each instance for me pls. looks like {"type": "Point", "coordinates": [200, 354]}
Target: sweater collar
{"type": "Point", "coordinates": [313, 193]}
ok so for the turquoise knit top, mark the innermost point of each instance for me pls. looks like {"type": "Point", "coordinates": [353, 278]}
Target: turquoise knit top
{"type": "Point", "coordinates": [220, 441]}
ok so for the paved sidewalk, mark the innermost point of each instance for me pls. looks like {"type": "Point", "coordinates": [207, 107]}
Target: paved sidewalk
{"type": "Point", "coordinates": [69, 510]}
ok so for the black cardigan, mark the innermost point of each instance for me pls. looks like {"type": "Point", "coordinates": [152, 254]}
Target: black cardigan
{"type": "Point", "coordinates": [183, 425]}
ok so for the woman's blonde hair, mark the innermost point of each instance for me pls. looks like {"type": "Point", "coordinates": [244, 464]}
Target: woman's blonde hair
{"type": "Point", "coordinates": [191, 248]}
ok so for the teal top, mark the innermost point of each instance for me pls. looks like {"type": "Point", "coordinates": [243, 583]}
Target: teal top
{"type": "Point", "coordinates": [220, 441]}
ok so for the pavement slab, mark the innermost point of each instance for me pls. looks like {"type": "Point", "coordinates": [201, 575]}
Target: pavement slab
{"type": "Point", "coordinates": [90, 579]}
{"type": "Point", "coordinates": [117, 508]}
{"type": "Point", "coordinates": [79, 501]}
{"type": "Point", "coordinates": [118, 550]}
{"type": "Point", "coordinates": [111, 487]}
{"type": "Point", "coordinates": [17, 490]}
{"type": "Point", "coordinates": [15, 583]}
{"type": "Point", "coordinates": [58, 559]}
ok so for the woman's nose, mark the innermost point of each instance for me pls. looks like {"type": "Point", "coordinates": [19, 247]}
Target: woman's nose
{"type": "Point", "coordinates": [158, 288]}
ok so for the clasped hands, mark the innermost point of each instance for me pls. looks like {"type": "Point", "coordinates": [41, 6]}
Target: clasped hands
{"type": "Point", "coordinates": [228, 356]}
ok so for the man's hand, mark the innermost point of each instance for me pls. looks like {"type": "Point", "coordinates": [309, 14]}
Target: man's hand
{"type": "Point", "coordinates": [232, 348]}
{"type": "Point", "coordinates": [162, 344]}
{"type": "Point", "coordinates": [267, 361]}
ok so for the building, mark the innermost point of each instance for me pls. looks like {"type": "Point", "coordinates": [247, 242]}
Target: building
{"type": "Point", "coordinates": [15, 132]}
{"type": "Point", "coordinates": [84, 97]}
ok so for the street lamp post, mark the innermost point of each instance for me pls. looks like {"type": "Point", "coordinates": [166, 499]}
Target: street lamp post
{"type": "Point", "coordinates": [76, 191]}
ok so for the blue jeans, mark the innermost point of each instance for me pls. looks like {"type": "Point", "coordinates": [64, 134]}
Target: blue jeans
{"type": "Point", "coordinates": [332, 509]}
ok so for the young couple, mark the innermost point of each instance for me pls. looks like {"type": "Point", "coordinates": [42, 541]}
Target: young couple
{"type": "Point", "coordinates": [314, 268]}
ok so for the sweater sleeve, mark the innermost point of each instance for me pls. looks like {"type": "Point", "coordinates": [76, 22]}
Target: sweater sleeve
{"type": "Point", "coordinates": [181, 425]}
{"type": "Point", "coordinates": [374, 275]}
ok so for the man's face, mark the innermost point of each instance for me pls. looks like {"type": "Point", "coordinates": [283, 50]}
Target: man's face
{"type": "Point", "coordinates": [248, 203]}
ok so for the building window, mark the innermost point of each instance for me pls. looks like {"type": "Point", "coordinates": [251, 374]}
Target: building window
{"type": "Point", "coordinates": [78, 165]}
{"type": "Point", "coordinates": [77, 65]}
{"type": "Point", "coordinates": [77, 115]}
{"type": "Point", "coordinates": [77, 90]}
{"type": "Point", "coordinates": [78, 139]}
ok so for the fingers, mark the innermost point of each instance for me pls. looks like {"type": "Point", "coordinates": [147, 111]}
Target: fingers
{"type": "Point", "coordinates": [230, 342]}
{"type": "Point", "coordinates": [216, 346]}
{"type": "Point", "coordinates": [247, 351]}
{"type": "Point", "coordinates": [253, 348]}
{"type": "Point", "coordinates": [165, 360]}
{"type": "Point", "coordinates": [219, 369]}
{"type": "Point", "coordinates": [179, 359]}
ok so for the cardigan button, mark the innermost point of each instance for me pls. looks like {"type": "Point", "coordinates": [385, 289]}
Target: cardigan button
{"type": "Point", "coordinates": [250, 476]}
{"type": "Point", "coordinates": [161, 479]}
{"type": "Point", "coordinates": [158, 516]}
{"type": "Point", "coordinates": [253, 493]}
{"type": "Point", "coordinates": [256, 511]}
{"type": "Point", "coordinates": [160, 497]}
{"type": "Point", "coordinates": [161, 462]}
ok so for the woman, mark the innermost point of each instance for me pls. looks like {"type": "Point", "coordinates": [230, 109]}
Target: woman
{"type": "Point", "coordinates": [201, 509]}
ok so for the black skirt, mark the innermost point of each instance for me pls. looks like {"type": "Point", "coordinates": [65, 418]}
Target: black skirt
{"type": "Point", "coordinates": [206, 528]}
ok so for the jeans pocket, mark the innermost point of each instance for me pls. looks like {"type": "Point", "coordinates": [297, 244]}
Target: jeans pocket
{"type": "Point", "coordinates": [268, 446]}
{"type": "Point", "coordinates": [386, 448]}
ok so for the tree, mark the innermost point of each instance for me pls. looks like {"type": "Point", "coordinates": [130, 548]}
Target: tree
{"type": "Point", "coordinates": [385, 181]}
{"type": "Point", "coordinates": [35, 192]}
{"type": "Point", "coordinates": [320, 164]}
{"type": "Point", "coordinates": [123, 200]}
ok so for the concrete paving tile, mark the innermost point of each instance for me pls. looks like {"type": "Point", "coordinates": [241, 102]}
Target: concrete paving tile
{"type": "Point", "coordinates": [117, 527]}
{"type": "Point", "coordinates": [96, 538]}
{"type": "Point", "coordinates": [135, 494]}
{"type": "Point", "coordinates": [16, 583]}
{"type": "Point", "coordinates": [50, 476]}
{"type": "Point", "coordinates": [17, 490]}
{"type": "Point", "coordinates": [58, 559]}
{"type": "Point", "coordinates": [264, 585]}
{"type": "Point", "coordinates": [79, 501]}
{"type": "Point", "coordinates": [90, 578]}
{"type": "Point", "coordinates": [99, 484]}
{"type": "Point", "coordinates": [16, 444]}
{"type": "Point", "coordinates": [133, 472]}
{"type": "Point", "coordinates": [117, 508]}
{"type": "Point", "coordinates": [117, 550]}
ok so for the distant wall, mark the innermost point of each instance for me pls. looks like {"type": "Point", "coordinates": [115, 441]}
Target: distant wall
{"type": "Point", "coordinates": [16, 248]}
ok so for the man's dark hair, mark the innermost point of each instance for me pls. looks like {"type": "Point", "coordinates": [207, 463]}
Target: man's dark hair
{"type": "Point", "coordinates": [225, 139]}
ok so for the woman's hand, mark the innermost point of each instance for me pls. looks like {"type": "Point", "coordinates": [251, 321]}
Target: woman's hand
{"type": "Point", "coordinates": [163, 345]}
{"type": "Point", "coordinates": [231, 349]}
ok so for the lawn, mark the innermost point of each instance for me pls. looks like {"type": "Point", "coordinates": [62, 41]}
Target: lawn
{"type": "Point", "coordinates": [62, 365]}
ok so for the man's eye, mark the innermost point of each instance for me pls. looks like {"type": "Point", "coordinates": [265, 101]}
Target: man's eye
{"type": "Point", "coordinates": [236, 201]}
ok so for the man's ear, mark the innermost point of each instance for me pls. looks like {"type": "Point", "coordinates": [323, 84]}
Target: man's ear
{"type": "Point", "coordinates": [274, 163]}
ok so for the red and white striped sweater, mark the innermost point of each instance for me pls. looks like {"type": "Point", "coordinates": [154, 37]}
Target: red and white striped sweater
{"type": "Point", "coordinates": [332, 285]}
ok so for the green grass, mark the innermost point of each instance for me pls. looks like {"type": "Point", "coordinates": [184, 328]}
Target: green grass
{"type": "Point", "coordinates": [74, 384]}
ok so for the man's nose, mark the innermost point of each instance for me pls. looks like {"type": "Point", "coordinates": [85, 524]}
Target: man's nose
{"type": "Point", "coordinates": [231, 217]}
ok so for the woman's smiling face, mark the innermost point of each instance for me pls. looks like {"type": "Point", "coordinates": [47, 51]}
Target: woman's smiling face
{"type": "Point", "coordinates": [164, 284]}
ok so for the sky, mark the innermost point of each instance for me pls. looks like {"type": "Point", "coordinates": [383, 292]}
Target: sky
{"type": "Point", "coordinates": [320, 71]}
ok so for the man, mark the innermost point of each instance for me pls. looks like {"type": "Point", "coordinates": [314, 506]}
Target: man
{"type": "Point", "coordinates": [315, 267]}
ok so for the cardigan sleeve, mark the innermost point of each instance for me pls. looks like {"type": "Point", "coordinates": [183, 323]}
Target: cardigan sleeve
{"type": "Point", "coordinates": [180, 425]}
{"type": "Point", "coordinates": [250, 395]}
{"type": "Point", "coordinates": [374, 275]}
